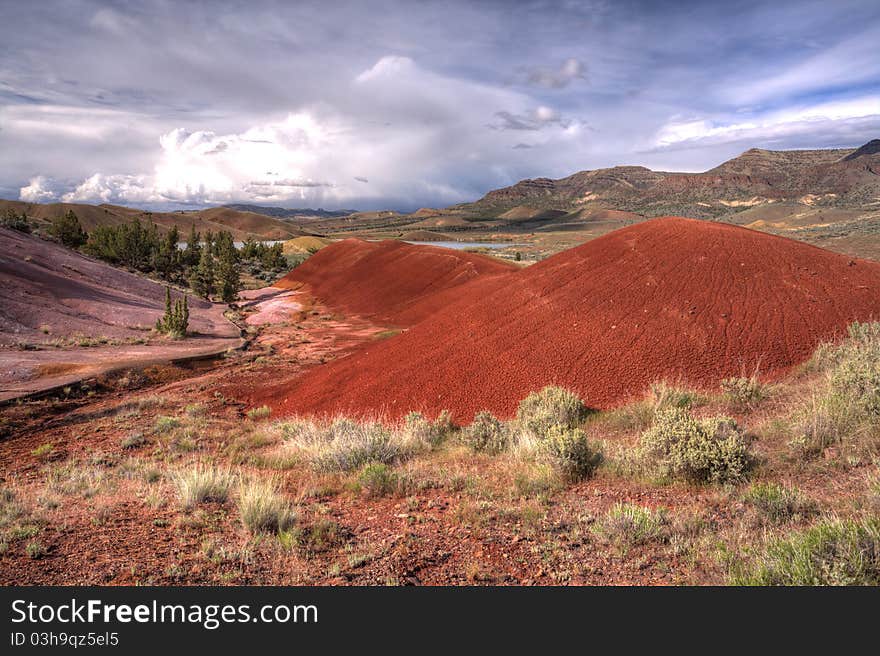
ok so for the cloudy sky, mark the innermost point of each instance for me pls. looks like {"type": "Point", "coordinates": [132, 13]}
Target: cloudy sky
{"type": "Point", "coordinates": [376, 104]}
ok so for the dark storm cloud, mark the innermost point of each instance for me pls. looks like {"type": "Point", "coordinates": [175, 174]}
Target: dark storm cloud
{"type": "Point", "coordinates": [159, 102]}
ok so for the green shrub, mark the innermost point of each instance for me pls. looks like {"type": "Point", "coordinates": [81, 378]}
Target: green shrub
{"type": "Point", "coordinates": [833, 552]}
{"type": "Point", "coordinates": [263, 509]}
{"type": "Point", "coordinates": [569, 451]}
{"type": "Point", "coordinates": [679, 446]}
{"type": "Point", "coordinates": [486, 434]}
{"type": "Point", "coordinates": [630, 525]}
{"type": "Point", "coordinates": [552, 406]}
{"type": "Point", "coordinates": [779, 503]}
{"type": "Point", "coordinates": [203, 483]}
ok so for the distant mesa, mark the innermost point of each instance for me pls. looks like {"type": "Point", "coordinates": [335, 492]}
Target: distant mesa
{"type": "Point", "coordinates": [870, 148]}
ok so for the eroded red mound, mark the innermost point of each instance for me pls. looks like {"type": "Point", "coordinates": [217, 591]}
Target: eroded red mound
{"type": "Point", "coordinates": [669, 298]}
{"type": "Point", "coordinates": [389, 281]}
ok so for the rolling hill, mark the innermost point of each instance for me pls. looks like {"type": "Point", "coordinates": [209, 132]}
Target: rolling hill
{"type": "Point", "coordinates": [241, 224]}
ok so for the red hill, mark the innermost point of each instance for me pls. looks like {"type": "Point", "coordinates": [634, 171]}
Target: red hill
{"type": "Point", "coordinates": [389, 281]}
{"type": "Point", "coordinates": [669, 298]}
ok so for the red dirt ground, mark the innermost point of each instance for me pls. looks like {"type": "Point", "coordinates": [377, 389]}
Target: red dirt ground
{"type": "Point", "coordinates": [388, 281]}
{"type": "Point", "coordinates": [670, 298]}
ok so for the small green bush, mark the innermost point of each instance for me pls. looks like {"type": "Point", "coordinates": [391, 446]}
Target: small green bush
{"type": "Point", "coordinates": [630, 525]}
{"type": "Point", "coordinates": [833, 552]}
{"type": "Point", "coordinates": [263, 509]}
{"type": "Point", "coordinates": [779, 503]}
{"type": "Point", "coordinates": [679, 446]}
{"type": "Point", "coordinates": [569, 450]}
{"type": "Point", "coordinates": [486, 434]}
{"type": "Point", "coordinates": [552, 406]}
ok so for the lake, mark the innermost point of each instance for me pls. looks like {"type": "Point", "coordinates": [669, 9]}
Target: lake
{"type": "Point", "coordinates": [463, 245]}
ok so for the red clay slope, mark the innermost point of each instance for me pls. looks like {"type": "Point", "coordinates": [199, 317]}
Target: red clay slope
{"type": "Point", "coordinates": [389, 281]}
{"type": "Point", "coordinates": [669, 298]}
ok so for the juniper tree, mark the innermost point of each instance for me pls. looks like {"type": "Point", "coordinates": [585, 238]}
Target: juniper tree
{"type": "Point", "coordinates": [193, 248]}
{"type": "Point", "coordinates": [202, 277]}
{"type": "Point", "coordinates": [68, 230]}
{"type": "Point", "coordinates": [228, 274]}
{"type": "Point", "coordinates": [176, 318]}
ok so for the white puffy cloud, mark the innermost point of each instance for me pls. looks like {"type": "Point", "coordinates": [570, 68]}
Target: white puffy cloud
{"type": "Point", "coordinates": [38, 190]}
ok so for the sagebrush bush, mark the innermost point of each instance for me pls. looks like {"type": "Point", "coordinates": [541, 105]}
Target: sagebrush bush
{"type": "Point", "coordinates": [779, 503]}
{"type": "Point", "coordinates": [569, 451]}
{"type": "Point", "coordinates": [630, 525]}
{"type": "Point", "coordinates": [344, 444]}
{"type": "Point", "coordinates": [832, 552]}
{"type": "Point", "coordinates": [552, 406]}
{"type": "Point", "coordinates": [202, 483]}
{"type": "Point", "coordinates": [262, 509]}
{"type": "Point", "coordinates": [679, 446]}
{"type": "Point", "coordinates": [486, 434]}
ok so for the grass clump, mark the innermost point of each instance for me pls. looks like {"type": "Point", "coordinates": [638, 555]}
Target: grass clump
{"type": "Point", "coordinates": [35, 550]}
{"type": "Point", "coordinates": [255, 414]}
{"type": "Point", "coordinates": [203, 483]}
{"type": "Point", "coordinates": [377, 479]}
{"type": "Point", "coordinates": [744, 391]}
{"type": "Point", "coordinates": [263, 509]}
{"type": "Point", "coordinates": [432, 433]}
{"type": "Point", "coordinates": [552, 406]}
{"type": "Point", "coordinates": [666, 395]}
{"type": "Point", "coordinates": [570, 452]}
{"type": "Point", "coordinates": [165, 424]}
{"type": "Point", "coordinates": [133, 441]}
{"type": "Point", "coordinates": [779, 503]}
{"type": "Point", "coordinates": [630, 525]}
{"type": "Point", "coordinates": [43, 451]}
{"type": "Point", "coordinates": [486, 434]}
{"type": "Point", "coordinates": [680, 446]}
{"type": "Point", "coordinates": [347, 445]}
{"type": "Point", "coordinates": [846, 410]}
{"type": "Point", "coordinates": [832, 552]}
